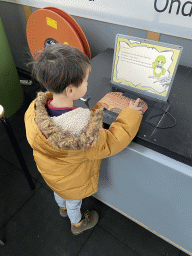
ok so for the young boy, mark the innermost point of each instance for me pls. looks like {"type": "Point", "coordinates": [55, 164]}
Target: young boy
{"type": "Point", "coordinates": [68, 142]}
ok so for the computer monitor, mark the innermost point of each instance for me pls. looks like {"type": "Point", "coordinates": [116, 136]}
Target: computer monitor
{"type": "Point", "coordinates": [144, 66]}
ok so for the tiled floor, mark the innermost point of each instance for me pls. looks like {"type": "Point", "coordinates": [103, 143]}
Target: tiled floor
{"type": "Point", "coordinates": [30, 220]}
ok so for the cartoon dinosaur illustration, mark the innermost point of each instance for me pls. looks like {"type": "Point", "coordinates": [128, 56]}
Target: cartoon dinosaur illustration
{"type": "Point", "coordinates": [157, 65]}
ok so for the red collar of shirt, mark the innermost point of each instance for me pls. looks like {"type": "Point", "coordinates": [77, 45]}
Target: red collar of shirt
{"type": "Point", "coordinates": [54, 108]}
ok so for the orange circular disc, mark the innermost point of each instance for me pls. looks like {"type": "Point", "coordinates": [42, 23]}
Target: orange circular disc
{"type": "Point", "coordinates": [46, 27]}
{"type": "Point", "coordinates": [75, 26]}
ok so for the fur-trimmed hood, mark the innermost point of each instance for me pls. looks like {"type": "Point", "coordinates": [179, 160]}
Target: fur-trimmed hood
{"type": "Point", "coordinates": [74, 130]}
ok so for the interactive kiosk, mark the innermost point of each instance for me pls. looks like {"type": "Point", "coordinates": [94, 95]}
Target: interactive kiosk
{"type": "Point", "coordinates": [150, 181]}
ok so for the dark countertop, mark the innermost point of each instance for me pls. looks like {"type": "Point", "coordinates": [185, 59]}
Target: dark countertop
{"type": "Point", "coordinates": [175, 142]}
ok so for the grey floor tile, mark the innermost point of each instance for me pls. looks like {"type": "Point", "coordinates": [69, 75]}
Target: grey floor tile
{"type": "Point", "coordinates": [27, 153]}
{"type": "Point", "coordinates": [17, 125]}
{"type": "Point", "coordinates": [14, 190]}
{"type": "Point", "coordinates": [38, 229]}
{"type": "Point", "coordinates": [5, 143]}
{"type": "Point", "coordinates": [130, 233]}
{"type": "Point", "coordinates": [6, 168]}
{"type": "Point", "coordinates": [185, 254]}
{"type": "Point", "coordinates": [147, 243]}
{"type": "Point", "coordinates": [102, 243]}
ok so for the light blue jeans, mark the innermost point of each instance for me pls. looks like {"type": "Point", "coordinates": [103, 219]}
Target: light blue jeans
{"type": "Point", "coordinates": [73, 208]}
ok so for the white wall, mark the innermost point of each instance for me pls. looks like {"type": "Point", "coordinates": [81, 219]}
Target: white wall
{"type": "Point", "coordinates": [100, 35]}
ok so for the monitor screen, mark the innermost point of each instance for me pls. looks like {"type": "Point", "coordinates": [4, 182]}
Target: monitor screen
{"type": "Point", "coordinates": [145, 66]}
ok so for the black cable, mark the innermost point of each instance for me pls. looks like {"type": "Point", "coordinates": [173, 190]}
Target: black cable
{"type": "Point", "coordinates": [164, 112]}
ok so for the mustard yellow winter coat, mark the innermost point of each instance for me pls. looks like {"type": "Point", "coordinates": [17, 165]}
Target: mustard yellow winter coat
{"type": "Point", "coordinates": [69, 156]}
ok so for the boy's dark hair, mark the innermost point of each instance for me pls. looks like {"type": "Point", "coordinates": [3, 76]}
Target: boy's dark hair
{"type": "Point", "coordinates": [58, 66]}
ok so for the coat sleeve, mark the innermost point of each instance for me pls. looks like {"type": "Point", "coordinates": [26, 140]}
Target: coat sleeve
{"type": "Point", "coordinates": [119, 135]}
{"type": "Point", "coordinates": [29, 125]}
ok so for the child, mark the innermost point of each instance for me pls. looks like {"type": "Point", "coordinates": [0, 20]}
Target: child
{"type": "Point", "coordinates": [68, 142]}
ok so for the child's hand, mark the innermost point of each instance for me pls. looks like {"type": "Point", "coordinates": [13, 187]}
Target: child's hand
{"type": "Point", "coordinates": [135, 105]}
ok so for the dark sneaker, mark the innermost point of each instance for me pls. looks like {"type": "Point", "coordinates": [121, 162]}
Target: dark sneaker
{"type": "Point", "coordinates": [89, 220]}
